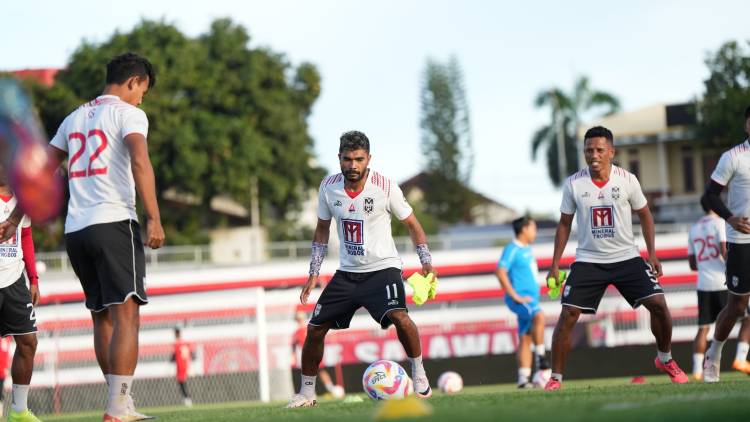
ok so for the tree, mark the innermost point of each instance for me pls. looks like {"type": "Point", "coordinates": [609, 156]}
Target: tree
{"type": "Point", "coordinates": [220, 116]}
{"type": "Point", "coordinates": [727, 94]}
{"type": "Point", "coordinates": [446, 141]}
{"type": "Point", "coordinates": [566, 113]}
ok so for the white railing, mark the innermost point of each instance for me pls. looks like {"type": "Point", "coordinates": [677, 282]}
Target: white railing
{"type": "Point", "coordinates": [199, 255]}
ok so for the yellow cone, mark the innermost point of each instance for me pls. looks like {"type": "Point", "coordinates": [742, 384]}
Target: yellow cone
{"type": "Point", "coordinates": [410, 407]}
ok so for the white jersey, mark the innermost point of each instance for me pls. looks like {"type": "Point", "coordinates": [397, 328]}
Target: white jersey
{"type": "Point", "coordinates": [102, 189]}
{"type": "Point", "coordinates": [733, 171]}
{"type": "Point", "coordinates": [605, 224]}
{"type": "Point", "coordinates": [704, 243]}
{"type": "Point", "coordinates": [11, 253]}
{"type": "Point", "coordinates": [364, 221]}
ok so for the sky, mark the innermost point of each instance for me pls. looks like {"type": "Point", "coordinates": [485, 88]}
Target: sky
{"type": "Point", "coordinates": [372, 55]}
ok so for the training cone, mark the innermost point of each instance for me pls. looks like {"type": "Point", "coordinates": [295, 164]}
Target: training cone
{"type": "Point", "coordinates": [410, 407]}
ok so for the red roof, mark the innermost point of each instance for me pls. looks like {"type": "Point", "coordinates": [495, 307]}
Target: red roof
{"type": "Point", "coordinates": [43, 76]}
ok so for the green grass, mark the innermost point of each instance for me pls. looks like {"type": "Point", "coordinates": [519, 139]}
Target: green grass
{"type": "Point", "coordinates": [586, 400]}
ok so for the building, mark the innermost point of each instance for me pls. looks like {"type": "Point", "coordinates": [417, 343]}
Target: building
{"type": "Point", "coordinates": [486, 211]}
{"type": "Point", "coordinates": [658, 145]}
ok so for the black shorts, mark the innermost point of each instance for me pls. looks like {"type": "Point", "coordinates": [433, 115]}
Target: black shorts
{"type": "Point", "coordinates": [379, 292]}
{"type": "Point", "coordinates": [738, 268]}
{"type": "Point", "coordinates": [709, 305]}
{"type": "Point", "coordinates": [17, 315]}
{"type": "Point", "coordinates": [109, 262]}
{"type": "Point", "coordinates": [588, 281]}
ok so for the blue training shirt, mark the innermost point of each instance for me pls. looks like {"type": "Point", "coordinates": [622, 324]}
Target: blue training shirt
{"type": "Point", "coordinates": [519, 262]}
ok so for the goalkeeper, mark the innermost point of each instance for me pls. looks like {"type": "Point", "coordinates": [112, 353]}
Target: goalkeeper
{"type": "Point", "coordinates": [517, 271]}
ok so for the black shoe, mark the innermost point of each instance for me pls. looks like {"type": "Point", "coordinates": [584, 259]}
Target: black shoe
{"type": "Point", "coordinates": [542, 363]}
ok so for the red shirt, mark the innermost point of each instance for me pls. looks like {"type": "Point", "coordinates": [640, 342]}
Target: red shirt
{"type": "Point", "coordinates": [182, 358]}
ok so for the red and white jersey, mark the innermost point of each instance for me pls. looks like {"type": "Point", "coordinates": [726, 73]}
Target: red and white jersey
{"type": "Point", "coordinates": [364, 221]}
{"type": "Point", "coordinates": [183, 355]}
{"type": "Point", "coordinates": [704, 242]}
{"type": "Point", "coordinates": [733, 171]}
{"type": "Point", "coordinates": [11, 251]}
{"type": "Point", "coordinates": [102, 189]}
{"type": "Point", "coordinates": [605, 224]}
{"type": "Point", "coordinates": [5, 359]}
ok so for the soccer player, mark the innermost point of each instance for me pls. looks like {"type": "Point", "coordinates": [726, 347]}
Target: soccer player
{"type": "Point", "coordinates": [362, 201]}
{"type": "Point", "coordinates": [733, 172]}
{"type": "Point", "coordinates": [707, 252]}
{"type": "Point", "coordinates": [604, 196]}
{"type": "Point", "coordinates": [517, 271]}
{"type": "Point", "coordinates": [106, 140]}
{"type": "Point", "coordinates": [182, 357]}
{"type": "Point", "coordinates": [17, 301]}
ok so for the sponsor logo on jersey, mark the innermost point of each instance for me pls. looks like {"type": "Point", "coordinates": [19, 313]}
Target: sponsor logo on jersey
{"type": "Point", "coordinates": [601, 195]}
{"type": "Point", "coordinates": [337, 203]}
{"type": "Point", "coordinates": [369, 205]}
{"type": "Point", "coordinates": [603, 222]}
{"type": "Point", "coordinates": [615, 193]}
{"type": "Point", "coordinates": [353, 237]}
{"type": "Point", "coordinates": [351, 208]}
{"type": "Point", "coordinates": [585, 195]}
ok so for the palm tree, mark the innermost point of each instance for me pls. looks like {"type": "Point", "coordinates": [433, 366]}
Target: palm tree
{"type": "Point", "coordinates": [559, 137]}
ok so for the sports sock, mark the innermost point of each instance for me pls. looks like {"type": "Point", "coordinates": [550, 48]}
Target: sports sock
{"type": "Point", "coordinates": [714, 351]}
{"type": "Point", "coordinates": [698, 363]}
{"type": "Point", "coordinates": [119, 390]}
{"type": "Point", "coordinates": [19, 401]}
{"type": "Point", "coordinates": [523, 375]}
{"type": "Point", "coordinates": [742, 349]}
{"type": "Point", "coordinates": [417, 369]}
{"type": "Point", "coordinates": [558, 377]}
{"type": "Point", "coordinates": [307, 388]}
{"type": "Point", "coordinates": [664, 357]}
{"type": "Point", "coordinates": [539, 349]}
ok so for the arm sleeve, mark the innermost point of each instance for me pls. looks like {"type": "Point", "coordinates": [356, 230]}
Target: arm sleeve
{"type": "Point", "coordinates": [713, 198]}
{"type": "Point", "coordinates": [568, 205]}
{"type": "Point", "coordinates": [637, 198]}
{"type": "Point", "coordinates": [29, 260]}
{"type": "Point", "coordinates": [324, 213]}
{"type": "Point", "coordinates": [60, 139]}
{"type": "Point", "coordinates": [724, 169]}
{"type": "Point", "coordinates": [134, 120]}
{"type": "Point", "coordinates": [397, 203]}
{"type": "Point", "coordinates": [506, 260]}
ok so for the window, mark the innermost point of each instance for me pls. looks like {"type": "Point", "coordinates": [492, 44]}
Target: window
{"type": "Point", "coordinates": [688, 170]}
{"type": "Point", "coordinates": [634, 164]}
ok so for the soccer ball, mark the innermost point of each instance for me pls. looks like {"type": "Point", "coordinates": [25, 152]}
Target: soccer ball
{"type": "Point", "coordinates": [386, 380]}
{"type": "Point", "coordinates": [450, 382]}
{"type": "Point", "coordinates": [541, 377]}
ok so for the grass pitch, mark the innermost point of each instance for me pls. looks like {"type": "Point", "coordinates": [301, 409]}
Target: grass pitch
{"type": "Point", "coordinates": [584, 400]}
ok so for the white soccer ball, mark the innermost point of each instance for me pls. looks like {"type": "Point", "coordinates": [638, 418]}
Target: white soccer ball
{"type": "Point", "coordinates": [541, 377]}
{"type": "Point", "coordinates": [386, 380]}
{"type": "Point", "coordinates": [337, 392]}
{"type": "Point", "coordinates": [450, 382]}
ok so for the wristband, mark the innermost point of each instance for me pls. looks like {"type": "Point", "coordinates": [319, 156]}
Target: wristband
{"type": "Point", "coordinates": [424, 254]}
{"type": "Point", "coordinates": [319, 251]}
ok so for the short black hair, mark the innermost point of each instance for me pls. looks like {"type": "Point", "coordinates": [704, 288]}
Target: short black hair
{"type": "Point", "coordinates": [354, 140]}
{"type": "Point", "coordinates": [127, 65]}
{"type": "Point", "coordinates": [599, 132]}
{"type": "Point", "coordinates": [705, 204]}
{"type": "Point", "coordinates": [521, 222]}
{"type": "Point", "coordinates": [747, 112]}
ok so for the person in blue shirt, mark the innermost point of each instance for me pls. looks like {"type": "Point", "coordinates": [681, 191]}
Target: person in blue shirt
{"type": "Point", "coordinates": [517, 271]}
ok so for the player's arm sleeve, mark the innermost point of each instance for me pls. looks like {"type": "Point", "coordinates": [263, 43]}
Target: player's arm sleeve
{"type": "Point", "coordinates": [637, 198]}
{"type": "Point", "coordinates": [134, 120]}
{"type": "Point", "coordinates": [397, 203]}
{"type": "Point", "coordinates": [29, 258]}
{"type": "Point", "coordinates": [324, 212]}
{"type": "Point", "coordinates": [568, 205]}
{"type": "Point", "coordinates": [506, 259]}
{"type": "Point", "coordinates": [60, 140]}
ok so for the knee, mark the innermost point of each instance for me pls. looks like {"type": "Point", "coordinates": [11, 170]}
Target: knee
{"type": "Point", "coordinates": [569, 315]}
{"type": "Point", "coordinates": [399, 318]}
{"type": "Point", "coordinates": [316, 333]}
{"type": "Point", "coordinates": [26, 344]}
